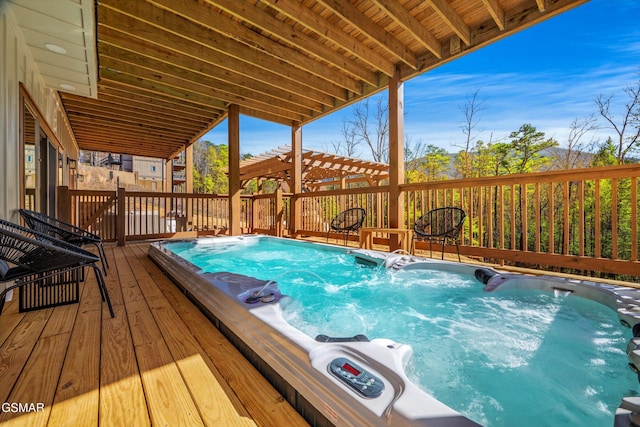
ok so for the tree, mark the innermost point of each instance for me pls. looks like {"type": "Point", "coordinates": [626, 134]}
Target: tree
{"type": "Point", "coordinates": [435, 162]}
{"type": "Point", "coordinates": [628, 127]}
{"type": "Point", "coordinates": [578, 144]}
{"type": "Point", "coordinates": [606, 154]}
{"type": "Point", "coordinates": [471, 108]}
{"type": "Point", "coordinates": [350, 141]}
{"type": "Point", "coordinates": [528, 146]}
{"type": "Point", "coordinates": [374, 133]}
{"type": "Point", "coordinates": [210, 163]}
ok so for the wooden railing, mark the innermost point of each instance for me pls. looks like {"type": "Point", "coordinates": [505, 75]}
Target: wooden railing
{"type": "Point", "coordinates": [126, 215]}
{"type": "Point", "coordinates": [583, 219]}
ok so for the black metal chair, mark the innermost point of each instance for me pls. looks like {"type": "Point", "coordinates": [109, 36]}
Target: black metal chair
{"type": "Point", "coordinates": [64, 231]}
{"type": "Point", "coordinates": [439, 225]}
{"type": "Point", "coordinates": [347, 221]}
{"type": "Point", "coordinates": [29, 257]}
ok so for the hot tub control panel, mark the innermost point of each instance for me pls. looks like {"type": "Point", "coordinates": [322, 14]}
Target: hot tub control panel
{"type": "Point", "coordinates": [364, 383]}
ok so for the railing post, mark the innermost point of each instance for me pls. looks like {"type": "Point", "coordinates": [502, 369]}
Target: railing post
{"type": "Point", "coordinates": [254, 214]}
{"type": "Point", "coordinates": [279, 212]}
{"type": "Point", "coordinates": [64, 204]}
{"type": "Point", "coordinates": [120, 216]}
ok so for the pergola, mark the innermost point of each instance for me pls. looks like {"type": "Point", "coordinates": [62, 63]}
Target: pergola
{"type": "Point", "coordinates": [318, 169]}
{"type": "Point", "coordinates": [161, 73]}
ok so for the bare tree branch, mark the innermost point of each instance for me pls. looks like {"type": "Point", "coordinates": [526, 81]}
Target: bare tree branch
{"type": "Point", "coordinates": [628, 128]}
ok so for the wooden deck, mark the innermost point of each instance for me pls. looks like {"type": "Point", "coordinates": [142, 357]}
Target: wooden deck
{"type": "Point", "coordinates": [158, 362]}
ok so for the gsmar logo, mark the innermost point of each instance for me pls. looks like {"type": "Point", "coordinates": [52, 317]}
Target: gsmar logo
{"type": "Point", "coordinates": [16, 407]}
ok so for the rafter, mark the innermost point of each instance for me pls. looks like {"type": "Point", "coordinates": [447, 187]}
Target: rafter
{"type": "Point", "coordinates": [264, 44]}
{"type": "Point", "coordinates": [195, 87]}
{"type": "Point", "coordinates": [407, 21]}
{"type": "Point", "coordinates": [352, 15]}
{"type": "Point", "coordinates": [452, 19]}
{"type": "Point", "coordinates": [201, 72]}
{"type": "Point", "coordinates": [170, 69]}
{"type": "Point", "coordinates": [497, 13]}
{"type": "Point", "coordinates": [208, 46]}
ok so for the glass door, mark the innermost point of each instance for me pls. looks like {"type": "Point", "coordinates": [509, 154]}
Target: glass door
{"type": "Point", "coordinates": [30, 177]}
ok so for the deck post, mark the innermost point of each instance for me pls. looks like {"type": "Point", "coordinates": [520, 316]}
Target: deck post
{"type": "Point", "coordinates": [396, 156]}
{"type": "Point", "coordinates": [234, 170]}
{"type": "Point", "coordinates": [279, 211]}
{"type": "Point", "coordinates": [296, 179]}
{"type": "Point", "coordinates": [64, 203]}
{"type": "Point", "coordinates": [120, 216]}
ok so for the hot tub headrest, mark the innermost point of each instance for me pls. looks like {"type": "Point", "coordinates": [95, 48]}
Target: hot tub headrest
{"type": "Point", "coordinates": [484, 274]}
{"type": "Point", "coordinates": [355, 338]}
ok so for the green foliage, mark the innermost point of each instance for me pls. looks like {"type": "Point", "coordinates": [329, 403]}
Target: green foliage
{"type": "Point", "coordinates": [528, 145]}
{"type": "Point", "coordinates": [606, 154]}
{"type": "Point", "coordinates": [431, 167]}
{"type": "Point", "coordinates": [210, 164]}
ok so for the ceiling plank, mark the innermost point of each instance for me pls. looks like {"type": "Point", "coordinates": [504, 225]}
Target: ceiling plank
{"type": "Point", "coordinates": [148, 74]}
{"type": "Point", "coordinates": [497, 13]}
{"type": "Point", "coordinates": [320, 26]}
{"type": "Point", "coordinates": [138, 95]}
{"type": "Point", "coordinates": [386, 41]}
{"type": "Point", "coordinates": [402, 17]}
{"type": "Point", "coordinates": [113, 112]}
{"type": "Point", "coordinates": [188, 40]}
{"type": "Point", "coordinates": [453, 20]}
{"type": "Point", "coordinates": [138, 108]}
{"type": "Point", "coordinates": [200, 72]}
{"type": "Point", "coordinates": [259, 42]}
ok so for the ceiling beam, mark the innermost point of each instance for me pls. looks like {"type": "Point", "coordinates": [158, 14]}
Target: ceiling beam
{"type": "Point", "coordinates": [452, 19]}
{"type": "Point", "coordinates": [140, 96]}
{"type": "Point", "coordinates": [402, 17]}
{"type": "Point", "coordinates": [324, 29]}
{"type": "Point", "coordinates": [497, 13]}
{"type": "Point", "coordinates": [264, 45]}
{"type": "Point", "coordinates": [349, 13]}
{"type": "Point", "coordinates": [187, 68]}
{"type": "Point", "coordinates": [210, 47]}
{"type": "Point", "coordinates": [149, 73]}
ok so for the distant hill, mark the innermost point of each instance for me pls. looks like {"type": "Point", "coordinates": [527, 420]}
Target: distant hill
{"type": "Point", "coordinates": [560, 157]}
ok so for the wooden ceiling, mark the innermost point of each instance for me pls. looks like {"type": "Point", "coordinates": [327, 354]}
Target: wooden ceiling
{"type": "Point", "coordinates": [169, 69]}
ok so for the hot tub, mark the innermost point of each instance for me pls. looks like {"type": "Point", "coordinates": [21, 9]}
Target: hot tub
{"type": "Point", "coordinates": [349, 379]}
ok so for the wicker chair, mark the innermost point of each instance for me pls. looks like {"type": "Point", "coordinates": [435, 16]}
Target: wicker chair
{"type": "Point", "coordinates": [64, 231]}
{"type": "Point", "coordinates": [439, 226]}
{"type": "Point", "coordinates": [28, 256]}
{"type": "Point", "coordinates": [346, 222]}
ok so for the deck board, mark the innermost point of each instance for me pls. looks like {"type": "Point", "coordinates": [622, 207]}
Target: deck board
{"type": "Point", "coordinates": [160, 361]}
{"type": "Point", "coordinates": [266, 406]}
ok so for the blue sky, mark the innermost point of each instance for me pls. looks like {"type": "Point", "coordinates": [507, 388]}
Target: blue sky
{"type": "Point", "coordinates": [547, 75]}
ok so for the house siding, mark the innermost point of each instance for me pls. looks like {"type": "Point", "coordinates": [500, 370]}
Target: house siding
{"type": "Point", "coordinates": [17, 66]}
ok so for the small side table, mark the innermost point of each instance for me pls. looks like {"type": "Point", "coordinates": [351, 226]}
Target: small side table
{"type": "Point", "coordinates": [405, 235]}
